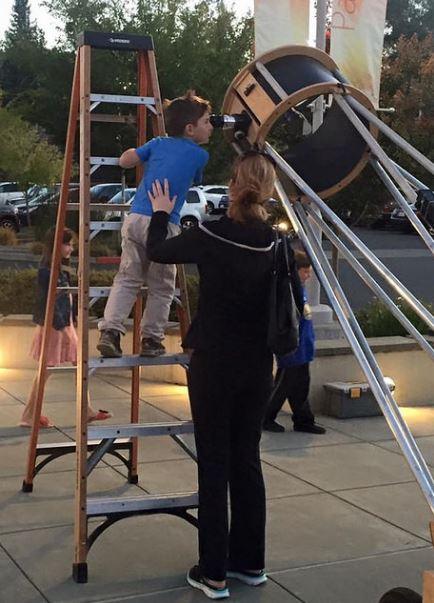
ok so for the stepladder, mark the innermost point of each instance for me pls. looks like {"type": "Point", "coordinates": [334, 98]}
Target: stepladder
{"type": "Point", "coordinates": [93, 442]}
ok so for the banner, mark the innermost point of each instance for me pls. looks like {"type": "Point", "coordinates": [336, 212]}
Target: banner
{"type": "Point", "coordinates": [357, 32]}
{"type": "Point", "coordinates": [280, 23]}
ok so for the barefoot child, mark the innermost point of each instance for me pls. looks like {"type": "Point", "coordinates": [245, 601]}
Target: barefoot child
{"type": "Point", "coordinates": [62, 346]}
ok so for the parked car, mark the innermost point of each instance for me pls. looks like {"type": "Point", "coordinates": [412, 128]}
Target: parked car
{"type": "Point", "coordinates": [9, 216]}
{"type": "Point", "coordinates": [194, 210]}
{"type": "Point", "coordinates": [399, 220]}
{"type": "Point", "coordinates": [214, 194]}
{"type": "Point", "coordinates": [9, 192]}
{"type": "Point", "coordinates": [118, 199]}
{"type": "Point", "coordinates": [383, 220]}
{"type": "Point", "coordinates": [224, 202]}
{"type": "Point", "coordinates": [102, 193]}
{"type": "Point", "coordinates": [41, 199]}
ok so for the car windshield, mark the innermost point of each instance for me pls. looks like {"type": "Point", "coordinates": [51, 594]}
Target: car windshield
{"type": "Point", "coordinates": [129, 194]}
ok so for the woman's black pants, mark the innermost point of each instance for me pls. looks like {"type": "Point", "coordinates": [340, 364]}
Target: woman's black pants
{"type": "Point", "coordinates": [228, 396]}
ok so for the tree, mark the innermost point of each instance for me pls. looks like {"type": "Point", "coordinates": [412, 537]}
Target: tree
{"type": "Point", "coordinates": [21, 27]}
{"type": "Point", "coordinates": [25, 156]}
{"type": "Point", "coordinates": [200, 47]}
{"type": "Point", "coordinates": [408, 17]}
{"type": "Point", "coordinates": [408, 86]}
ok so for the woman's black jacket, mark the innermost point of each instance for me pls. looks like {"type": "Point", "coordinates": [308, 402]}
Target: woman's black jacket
{"type": "Point", "coordinates": [234, 262]}
{"type": "Point", "coordinates": [62, 308]}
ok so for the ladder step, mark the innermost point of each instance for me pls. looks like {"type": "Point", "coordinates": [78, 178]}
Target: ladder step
{"type": "Point", "coordinates": [100, 206]}
{"type": "Point", "coordinates": [128, 361]}
{"type": "Point", "coordinates": [107, 506]}
{"type": "Point", "coordinates": [66, 447]}
{"type": "Point", "coordinates": [131, 430]}
{"type": "Point", "coordinates": [101, 291]}
{"type": "Point", "coordinates": [112, 118]}
{"type": "Point", "coordinates": [104, 161]}
{"type": "Point", "coordinates": [99, 226]}
{"type": "Point", "coordinates": [122, 99]}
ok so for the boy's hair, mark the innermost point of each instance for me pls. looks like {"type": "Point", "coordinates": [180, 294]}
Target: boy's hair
{"type": "Point", "coordinates": [184, 110]}
{"type": "Point", "coordinates": [302, 259]}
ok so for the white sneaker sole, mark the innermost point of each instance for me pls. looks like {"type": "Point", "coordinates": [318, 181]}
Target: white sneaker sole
{"type": "Point", "coordinates": [210, 593]}
{"type": "Point", "coordinates": [249, 580]}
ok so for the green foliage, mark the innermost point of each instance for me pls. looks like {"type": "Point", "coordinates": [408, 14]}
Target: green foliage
{"type": "Point", "coordinates": [200, 47]}
{"type": "Point", "coordinates": [376, 320]}
{"type": "Point", "coordinates": [18, 287]}
{"type": "Point", "coordinates": [8, 237]}
{"type": "Point", "coordinates": [37, 248]}
{"type": "Point", "coordinates": [21, 27]}
{"type": "Point", "coordinates": [17, 291]}
{"type": "Point", "coordinates": [408, 17]}
{"type": "Point", "coordinates": [24, 155]}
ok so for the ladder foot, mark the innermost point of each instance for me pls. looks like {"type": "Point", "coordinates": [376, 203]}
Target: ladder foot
{"type": "Point", "coordinates": [133, 479]}
{"type": "Point", "coordinates": [79, 572]}
{"type": "Point", "coordinates": [27, 486]}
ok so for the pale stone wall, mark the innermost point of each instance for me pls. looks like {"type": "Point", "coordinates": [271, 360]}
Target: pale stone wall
{"type": "Point", "coordinates": [399, 358]}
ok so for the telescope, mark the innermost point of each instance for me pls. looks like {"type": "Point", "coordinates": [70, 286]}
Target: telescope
{"type": "Point", "coordinates": [238, 122]}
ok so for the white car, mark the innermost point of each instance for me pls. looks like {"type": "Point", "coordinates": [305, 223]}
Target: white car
{"type": "Point", "coordinates": [193, 211]}
{"type": "Point", "coordinates": [214, 194]}
{"type": "Point", "coordinates": [9, 192]}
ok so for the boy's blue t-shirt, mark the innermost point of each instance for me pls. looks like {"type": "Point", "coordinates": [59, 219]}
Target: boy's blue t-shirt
{"type": "Point", "coordinates": [180, 160]}
{"type": "Point", "coordinates": [306, 343]}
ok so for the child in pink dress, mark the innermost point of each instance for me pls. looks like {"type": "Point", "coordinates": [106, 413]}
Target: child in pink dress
{"type": "Point", "coordinates": [62, 346]}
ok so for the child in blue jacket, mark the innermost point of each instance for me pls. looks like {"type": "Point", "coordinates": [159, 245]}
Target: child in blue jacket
{"type": "Point", "coordinates": [293, 375]}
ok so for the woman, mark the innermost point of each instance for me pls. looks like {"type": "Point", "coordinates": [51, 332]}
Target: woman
{"type": "Point", "coordinates": [230, 369]}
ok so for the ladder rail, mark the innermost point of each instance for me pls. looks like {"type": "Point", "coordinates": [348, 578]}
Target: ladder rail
{"type": "Point", "coordinates": [54, 274]}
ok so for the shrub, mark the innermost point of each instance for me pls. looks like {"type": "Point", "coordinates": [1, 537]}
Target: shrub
{"type": "Point", "coordinates": [8, 237]}
{"type": "Point", "coordinates": [18, 287]}
{"type": "Point", "coordinates": [376, 320]}
{"type": "Point", "coordinates": [17, 291]}
{"type": "Point", "coordinates": [37, 247]}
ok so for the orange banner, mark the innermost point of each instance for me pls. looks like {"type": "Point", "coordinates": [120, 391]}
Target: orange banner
{"type": "Point", "coordinates": [357, 42]}
{"type": "Point", "coordinates": [279, 23]}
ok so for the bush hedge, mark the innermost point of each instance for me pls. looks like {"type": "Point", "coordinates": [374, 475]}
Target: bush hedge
{"type": "Point", "coordinates": [18, 287]}
{"type": "Point", "coordinates": [377, 321]}
{"type": "Point", "coordinates": [8, 237]}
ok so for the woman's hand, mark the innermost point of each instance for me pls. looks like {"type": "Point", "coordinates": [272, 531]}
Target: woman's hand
{"type": "Point", "coordinates": [160, 197]}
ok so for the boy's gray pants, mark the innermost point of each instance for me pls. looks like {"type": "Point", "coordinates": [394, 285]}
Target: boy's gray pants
{"type": "Point", "coordinates": [135, 270]}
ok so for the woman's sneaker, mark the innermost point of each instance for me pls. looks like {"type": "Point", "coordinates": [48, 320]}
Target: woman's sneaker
{"type": "Point", "coordinates": [250, 578]}
{"type": "Point", "coordinates": [196, 580]}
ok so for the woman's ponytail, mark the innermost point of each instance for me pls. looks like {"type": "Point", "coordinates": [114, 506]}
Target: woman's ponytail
{"type": "Point", "coordinates": [251, 185]}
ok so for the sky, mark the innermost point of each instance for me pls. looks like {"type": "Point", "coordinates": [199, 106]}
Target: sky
{"type": "Point", "coordinates": [48, 24]}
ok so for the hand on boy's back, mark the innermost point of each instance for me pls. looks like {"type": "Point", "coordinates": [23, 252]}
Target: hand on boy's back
{"type": "Point", "coordinates": [160, 197]}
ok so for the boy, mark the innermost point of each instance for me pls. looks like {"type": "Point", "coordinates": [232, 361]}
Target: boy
{"type": "Point", "coordinates": [293, 376]}
{"type": "Point", "coordinates": [179, 158]}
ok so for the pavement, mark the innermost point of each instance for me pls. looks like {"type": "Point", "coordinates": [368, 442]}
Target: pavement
{"type": "Point", "coordinates": [346, 520]}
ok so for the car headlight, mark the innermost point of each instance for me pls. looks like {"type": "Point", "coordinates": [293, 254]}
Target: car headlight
{"type": "Point", "coordinates": [15, 210]}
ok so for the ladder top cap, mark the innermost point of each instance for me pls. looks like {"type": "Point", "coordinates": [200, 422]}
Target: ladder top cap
{"type": "Point", "coordinates": [114, 41]}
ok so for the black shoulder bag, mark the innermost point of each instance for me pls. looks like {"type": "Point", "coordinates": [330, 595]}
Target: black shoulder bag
{"type": "Point", "coordinates": [283, 322]}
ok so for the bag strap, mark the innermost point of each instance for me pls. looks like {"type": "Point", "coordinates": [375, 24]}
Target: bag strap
{"type": "Point", "coordinates": [276, 245]}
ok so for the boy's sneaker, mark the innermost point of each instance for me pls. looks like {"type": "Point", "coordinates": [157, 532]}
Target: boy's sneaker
{"type": "Point", "coordinates": [110, 344]}
{"type": "Point", "coordinates": [273, 426]}
{"type": "Point", "coordinates": [151, 347]}
{"type": "Point", "coordinates": [250, 578]}
{"type": "Point", "coordinates": [310, 428]}
{"type": "Point", "coordinates": [196, 580]}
